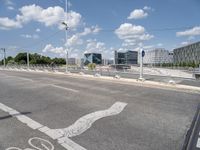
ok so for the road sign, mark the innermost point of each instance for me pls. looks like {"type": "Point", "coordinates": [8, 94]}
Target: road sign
{"type": "Point", "coordinates": [143, 53]}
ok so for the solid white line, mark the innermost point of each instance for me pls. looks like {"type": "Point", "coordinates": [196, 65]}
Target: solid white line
{"type": "Point", "coordinates": [67, 143]}
{"type": "Point", "coordinates": [198, 143]}
{"type": "Point", "coordinates": [64, 88]}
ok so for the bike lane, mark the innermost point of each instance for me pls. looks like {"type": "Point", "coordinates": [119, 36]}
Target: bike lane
{"type": "Point", "coordinates": [15, 135]}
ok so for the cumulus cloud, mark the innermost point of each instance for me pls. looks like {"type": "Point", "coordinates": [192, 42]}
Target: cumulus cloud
{"type": "Point", "coordinates": [52, 49]}
{"type": "Point", "coordinates": [76, 38]}
{"type": "Point", "coordinates": [95, 46]}
{"type": "Point", "coordinates": [49, 17]}
{"type": "Point", "coordinates": [7, 24]}
{"type": "Point", "coordinates": [137, 14]}
{"type": "Point", "coordinates": [132, 34]}
{"type": "Point", "coordinates": [191, 32]}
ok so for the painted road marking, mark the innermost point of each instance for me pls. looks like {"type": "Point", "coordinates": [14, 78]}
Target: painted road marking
{"type": "Point", "coordinates": [198, 143]}
{"type": "Point", "coordinates": [44, 144]}
{"type": "Point", "coordinates": [85, 122]}
{"type": "Point", "coordinates": [67, 144]}
{"type": "Point", "coordinates": [64, 88]}
{"type": "Point", "coordinates": [62, 135]}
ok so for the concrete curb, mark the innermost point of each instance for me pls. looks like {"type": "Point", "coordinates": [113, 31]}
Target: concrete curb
{"type": "Point", "coordinates": [136, 82]}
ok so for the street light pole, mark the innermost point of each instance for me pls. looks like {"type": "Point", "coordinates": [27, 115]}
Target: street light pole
{"type": "Point", "coordinates": [66, 28]}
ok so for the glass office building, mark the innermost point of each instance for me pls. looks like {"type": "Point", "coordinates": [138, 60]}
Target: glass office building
{"type": "Point", "coordinates": [128, 57]}
{"type": "Point", "coordinates": [92, 58]}
{"type": "Point", "coordinates": [187, 54]}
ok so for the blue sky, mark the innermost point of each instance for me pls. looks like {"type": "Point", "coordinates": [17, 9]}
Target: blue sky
{"type": "Point", "coordinates": [97, 25]}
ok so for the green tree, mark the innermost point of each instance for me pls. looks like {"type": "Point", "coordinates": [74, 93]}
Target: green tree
{"type": "Point", "coordinates": [21, 58]}
{"type": "Point", "coordinates": [91, 66]}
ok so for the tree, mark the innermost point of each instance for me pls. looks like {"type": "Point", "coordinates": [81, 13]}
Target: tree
{"type": "Point", "coordinates": [21, 58]}
{"type": "Point", "coordinates": [11, 62]}
{"type": "Point", "coordinates": [91, 66]}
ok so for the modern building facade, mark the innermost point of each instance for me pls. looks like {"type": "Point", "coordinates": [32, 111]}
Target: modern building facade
{"type": "Point", "coordinates": [158, 56]}
{"type": "Point", "coordinates": [92, 58]}
{"type": "Point", "coordinates": [107, 62]}
{"type": "Point", "coordinates": [187, 54]}
{"type": "Point", "coordinates": [128, 57]}
{"type": "Point", "coordinates": [72, 61]}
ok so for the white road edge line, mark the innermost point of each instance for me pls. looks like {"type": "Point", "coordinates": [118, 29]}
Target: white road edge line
{"type": "Point", "coordinates": [198, 143]}
{"type": "Point", "coordinates": [67, 144]}
{"type": "Point", "coordinates": [62, 135]}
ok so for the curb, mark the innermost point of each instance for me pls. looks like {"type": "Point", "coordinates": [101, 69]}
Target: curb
{"type": "Point", "coordinates": [190, 138]}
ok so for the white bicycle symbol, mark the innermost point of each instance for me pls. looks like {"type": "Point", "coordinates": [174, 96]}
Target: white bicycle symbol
{"type": "Point", "coordinates": [36, 144]}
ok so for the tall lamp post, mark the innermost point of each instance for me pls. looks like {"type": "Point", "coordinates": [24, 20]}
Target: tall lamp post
{"type": "Point", "coordinates": [66, 57]}
{"type": "Point", "coordinates": [66, 29]}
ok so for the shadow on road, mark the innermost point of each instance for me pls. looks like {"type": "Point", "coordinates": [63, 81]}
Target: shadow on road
{"type": "Point", "coordinates": [10, 116]}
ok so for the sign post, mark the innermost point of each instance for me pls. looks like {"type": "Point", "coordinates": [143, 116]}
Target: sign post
{"type": "Point", "coordinates": [142, 54]}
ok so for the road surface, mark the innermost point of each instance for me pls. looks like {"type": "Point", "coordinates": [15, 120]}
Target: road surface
{"type": "Point", "coordinates": [90, 114]}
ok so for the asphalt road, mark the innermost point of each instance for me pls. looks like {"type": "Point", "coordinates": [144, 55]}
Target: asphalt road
{"type": "Point", "coordinates": [140, 118]}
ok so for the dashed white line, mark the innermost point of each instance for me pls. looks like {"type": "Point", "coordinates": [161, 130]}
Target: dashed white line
{"type": "Point", "coordinates": [64, 88]}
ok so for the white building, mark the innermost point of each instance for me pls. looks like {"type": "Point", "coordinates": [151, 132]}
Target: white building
{"type": "Point", "coordinates": [158, 56]}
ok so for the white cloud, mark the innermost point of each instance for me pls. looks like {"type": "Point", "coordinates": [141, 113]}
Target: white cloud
{"type": "Point", "coordinates": [159, 44]}
{"type": "Point", "coordinates": [7, 24]}
{"type": "Point", "coordinates": [147, 8]}
{"type": "Point", "coordinates": [8, 2]}
{"type": "Point", "coordinates": [28, 36]}
{"type": "Point", "coordinates": [10, 8]}
{"type": "Point", "coordinates": [74, 40]}
{"type": "Point", "coordinates": [37, 30]}
{"type": "Point", "coordinates": [52, 49]}
{"type": "Point", "coordinates": [132, 34]}
{"type": "Point", "coordinates": [185, 43]}
{"type": "Point", "coordinates": [95, 46]}
{"type": "Point", "coordinates": [191, 32]}
{"type": "Point", "coordinates": [49, 17]}
{"type": "Point", "coordinates": [137, 14]}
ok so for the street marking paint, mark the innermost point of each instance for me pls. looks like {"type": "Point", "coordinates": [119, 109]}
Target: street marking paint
{"type": "Point", "coordinates": [198, 143]}
{"type": "Point", "coordinates": [85, 122]}
{"type": "Point", "coordinates": [62, 135]}
{"type": "Point", "coordinates": [45, 144]}
{"type": "Point", "coordinates": [64, 88]}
